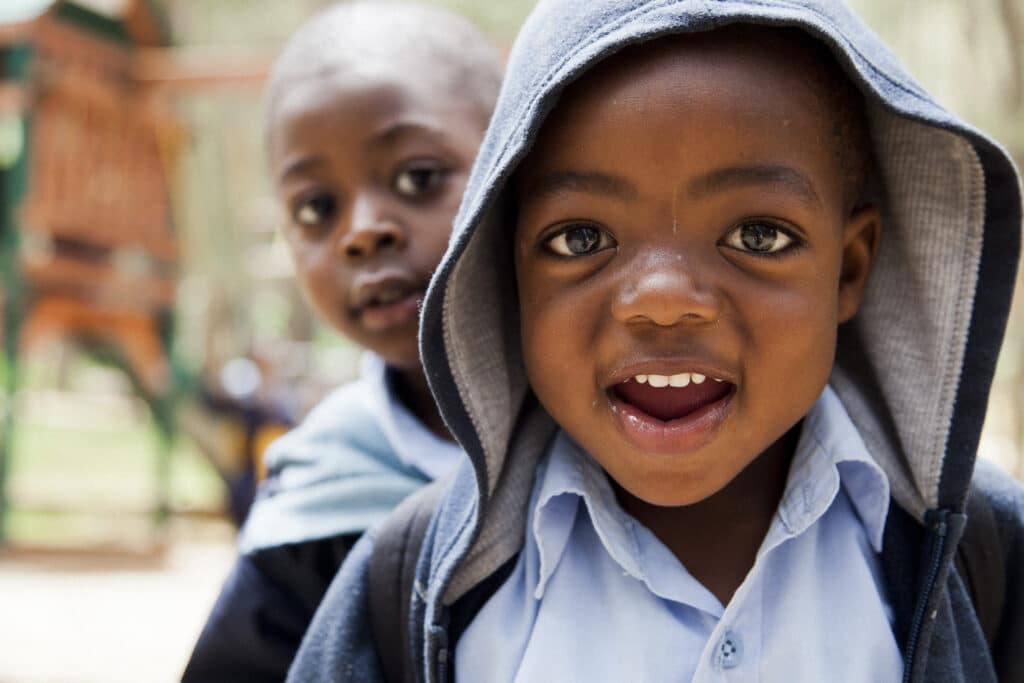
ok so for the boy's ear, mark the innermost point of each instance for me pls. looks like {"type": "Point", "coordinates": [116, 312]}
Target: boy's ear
{"type": "Point", "coordinates": [860, 242]}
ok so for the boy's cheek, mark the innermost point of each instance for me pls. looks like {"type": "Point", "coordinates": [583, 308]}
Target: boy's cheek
{"type": "Point", "coordinates": [795, 331]}
{"type": "Point", "coordinates": [559, 361]}
{"type": "Point", "coordinates": [556, 323]}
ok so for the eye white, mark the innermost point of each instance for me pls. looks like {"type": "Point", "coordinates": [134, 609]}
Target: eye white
{"type": "Point", "coordinates": [413, 181]}
{"type": "Point", "coordinates": [559, 244]}
{"type": "Point", "coordinates": [404, 184]}
{"type": "Point", "coordinates": [307, 215]}
{"type": "Point", "coordinates": [735, 239]}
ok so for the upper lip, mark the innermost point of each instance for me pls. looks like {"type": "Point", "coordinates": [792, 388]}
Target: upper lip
{"type": "Point", "coordinates": [367, 289]}
{"type": "Point", "coordinates": [669, 365]}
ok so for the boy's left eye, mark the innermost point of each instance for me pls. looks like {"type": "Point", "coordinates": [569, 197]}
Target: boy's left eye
{"type": "Point", "coordinates": [758, 237]}
{"type": "Point", "coordinates": [418, 179]}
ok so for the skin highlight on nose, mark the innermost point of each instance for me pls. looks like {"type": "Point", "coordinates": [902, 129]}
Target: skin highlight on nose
{"type": "Point", "coordinates": [665, 293]}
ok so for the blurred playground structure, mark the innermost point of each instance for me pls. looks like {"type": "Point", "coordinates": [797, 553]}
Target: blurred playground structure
{"type": "Point", "coordinates": [153, 339]}
{"type": "Point", "coordinates": [93, 260]}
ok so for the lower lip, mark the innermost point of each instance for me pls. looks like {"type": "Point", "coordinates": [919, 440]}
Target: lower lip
{"type": "Point", "coordinates": [675, 437]}
{"type": "Point", "coordinates": [383, 317]}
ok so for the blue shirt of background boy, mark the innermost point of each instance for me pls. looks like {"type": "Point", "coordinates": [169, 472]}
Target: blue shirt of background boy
{"type": "Point", "coordinates": [654, 622]}
{"type": "Point", "coordinates": [355, 457]}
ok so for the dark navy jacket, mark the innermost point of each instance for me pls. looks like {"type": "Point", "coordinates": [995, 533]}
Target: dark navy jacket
{"type": "Point", "coordinates": [263, 611]}
{"type": "Point", "coordinates": [913, 369]}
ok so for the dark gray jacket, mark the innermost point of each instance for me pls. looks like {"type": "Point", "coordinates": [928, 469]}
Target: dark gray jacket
{"type": "Point", "coordinates": [913, 369]}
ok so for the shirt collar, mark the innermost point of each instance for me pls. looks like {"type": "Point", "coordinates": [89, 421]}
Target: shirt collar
{"type": "Point", "coordinates": [571, 476]}
{"type": "Point", "coordinates": [829, 453]}
{"type": "Point", "coordinates": [412, 442]}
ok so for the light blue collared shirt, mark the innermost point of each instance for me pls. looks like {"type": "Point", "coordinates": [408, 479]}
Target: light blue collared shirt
{"type": "Point", "coordinates": [412, 442]}
{"type": "Point", "coordinates": [352, 460]}
{"type": "Point", "coordinates": [595, 596]}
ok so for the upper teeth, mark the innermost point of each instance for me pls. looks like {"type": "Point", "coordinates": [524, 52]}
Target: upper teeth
{"type": "Point", "coordinates": [681, 380]}
{"type": "Point", "coordinates": [390, 295]}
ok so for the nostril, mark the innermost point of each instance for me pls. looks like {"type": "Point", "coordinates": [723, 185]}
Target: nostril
{"type": "Point", "coordinates": [385, 241]}
{"type": "Point", "coordinates": [352, 251]}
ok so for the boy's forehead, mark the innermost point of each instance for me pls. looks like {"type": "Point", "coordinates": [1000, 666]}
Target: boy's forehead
{"type": "Point", "coordinates": [436, 59]}
{"type": "Point", "coordinates": [377, 95]}
{"type": "Point", "coordinates": [390, 82]}
{"type": "Point", "coordinates": [334, 88]}
{"type": "Point", "coordinates": [743, 68]}
{"type": "Point", "coordinates": [668, 111]}
{"type": "Point", "coordinates": [709, 63]}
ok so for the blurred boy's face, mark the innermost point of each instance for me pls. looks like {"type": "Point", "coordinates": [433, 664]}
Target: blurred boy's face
{"type": "Point", "coordinates": [370, 169]}
{"type": "Point", "coordinates": [684, 257]}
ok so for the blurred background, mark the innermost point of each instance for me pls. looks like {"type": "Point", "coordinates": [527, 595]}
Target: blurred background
{"type": "Point", "coordinates": [154, 340]}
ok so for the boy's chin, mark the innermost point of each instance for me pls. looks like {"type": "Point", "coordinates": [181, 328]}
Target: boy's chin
{"type": "Point", "coordinates": [403, 358]}
{"type": "Point", "coordinates": [666, 486]}
{"type": "Point", "coordinates": [669, 496]}
{"type": "Point", "coordinates": [400, 352]}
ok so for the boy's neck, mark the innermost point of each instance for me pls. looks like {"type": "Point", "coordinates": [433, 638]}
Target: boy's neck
{"type": "Point", "coordinates": [717, 539]}
{"type": "Point", "coordinates": [413, 392]}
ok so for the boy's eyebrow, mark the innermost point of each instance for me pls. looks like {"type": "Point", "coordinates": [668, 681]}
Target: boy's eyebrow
{"type": "Point", "coordinates": [392, 134]}
{"type": "Point", "coordinates": [591, 182]}
{"type": "Point", "coordinates": [763, 174]}
{"type": "Point", "coordinates": [298, 166]}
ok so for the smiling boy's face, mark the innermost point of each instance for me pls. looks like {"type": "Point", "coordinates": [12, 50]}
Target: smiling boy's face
{"type": "Point", "coordinates": [370, 168]}
{"type": "Point", "coordinates": [683, 221]}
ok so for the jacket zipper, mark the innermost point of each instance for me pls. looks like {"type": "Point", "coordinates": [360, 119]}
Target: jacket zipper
{"type": "Point", "coordinates": [939, 543]}
{"type": "Point", "coordinates": [442, 665]}
{"type": "Point", "coordinates": [443, 653]}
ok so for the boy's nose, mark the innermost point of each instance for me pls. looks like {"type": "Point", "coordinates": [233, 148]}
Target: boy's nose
{"type": "Point", "coordinates": [370, 232]}
{"type": "Point", "coordinates": [665, 294]}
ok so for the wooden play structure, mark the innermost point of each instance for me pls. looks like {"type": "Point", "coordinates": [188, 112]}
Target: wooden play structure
{"type": "Point", "coordinates": [87, 247]}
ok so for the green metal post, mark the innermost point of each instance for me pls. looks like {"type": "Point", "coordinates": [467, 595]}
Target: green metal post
{"type": "Point", "coordinates": [164, 411]}
{"type": "Point", "coordinates": [14, 152]}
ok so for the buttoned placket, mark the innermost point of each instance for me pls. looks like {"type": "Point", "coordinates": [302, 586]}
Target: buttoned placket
{"type": "Point", "coordinates": [733, 650]}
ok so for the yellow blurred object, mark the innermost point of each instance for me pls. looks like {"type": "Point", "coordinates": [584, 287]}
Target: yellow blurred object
{"type": "Point", "coordinates": [261, 440]}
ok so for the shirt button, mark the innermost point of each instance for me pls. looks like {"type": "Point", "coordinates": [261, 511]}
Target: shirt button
{"type": "Point", "coordinates": [729, 651]}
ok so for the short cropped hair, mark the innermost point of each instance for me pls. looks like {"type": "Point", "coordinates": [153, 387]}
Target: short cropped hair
{"type": "Point", "coordinates": [363, 32]}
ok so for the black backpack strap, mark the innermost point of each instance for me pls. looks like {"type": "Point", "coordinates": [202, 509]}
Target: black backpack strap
{"type": "Point", "coordinates": [392, 573]}
{"type": "Point", "coordinates": [980, 562]}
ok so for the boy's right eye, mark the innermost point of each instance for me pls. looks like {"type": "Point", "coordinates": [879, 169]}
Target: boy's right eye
{"type": "Point", "coordinates": [579, 239]}
{"type": "Point", "coordinates": [315, 211]}
{"type": "Point", "coordinates": [418, 179]}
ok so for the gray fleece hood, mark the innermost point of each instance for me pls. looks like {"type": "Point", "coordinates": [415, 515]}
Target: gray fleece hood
{"type": "Point", "coordinates": [913, 369]}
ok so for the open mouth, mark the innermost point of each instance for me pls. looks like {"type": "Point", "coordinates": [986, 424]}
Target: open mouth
{"type": "Point", "coordinates": [671, 414]}
{"type": "Point", "coordinates": [389, 303]}
{"type": "Point", "coordinates": [671, 397]}
{"type": "Point", "coordinates": [389, 293]}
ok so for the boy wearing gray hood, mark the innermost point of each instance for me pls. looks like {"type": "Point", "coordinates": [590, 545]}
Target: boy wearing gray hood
{"type": "Point", "coordinates": [716, 329]}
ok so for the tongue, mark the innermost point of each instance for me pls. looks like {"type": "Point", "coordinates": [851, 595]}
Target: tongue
{"type": "Point", "coordinates": [671, 403]}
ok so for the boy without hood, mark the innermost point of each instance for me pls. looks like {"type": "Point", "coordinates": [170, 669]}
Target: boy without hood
{"type": "Point", "coordinates": [374, 112]}
{"type": "Point", "coordinates": [704, 443]}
